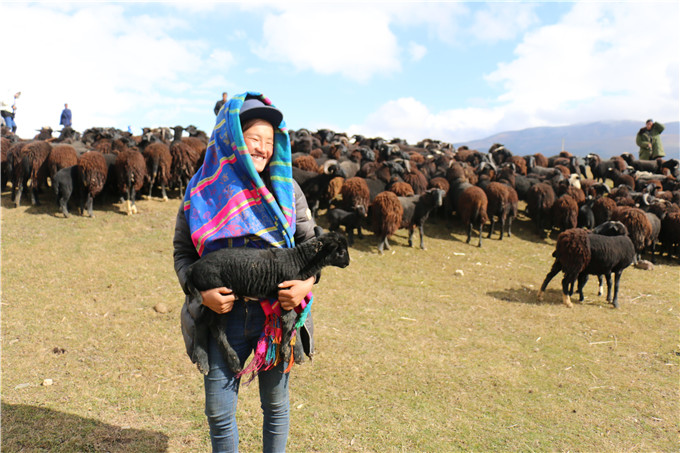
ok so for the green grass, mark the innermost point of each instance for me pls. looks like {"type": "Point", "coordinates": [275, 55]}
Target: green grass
{"type": "Point", "coordinates": [410, 356]}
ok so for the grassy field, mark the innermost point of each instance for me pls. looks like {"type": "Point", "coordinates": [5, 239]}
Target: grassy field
{"type": "Point", "coordinates": [411, 355]}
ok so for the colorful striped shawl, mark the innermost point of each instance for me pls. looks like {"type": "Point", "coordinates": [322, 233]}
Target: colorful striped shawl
{"type": "Point", "coordinates": [227, 204]}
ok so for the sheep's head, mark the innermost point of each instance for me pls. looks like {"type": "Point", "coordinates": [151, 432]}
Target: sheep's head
{"type": "Point", "coordinates": [611, 228]}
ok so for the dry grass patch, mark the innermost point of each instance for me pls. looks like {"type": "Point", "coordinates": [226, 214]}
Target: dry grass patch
{"type": "Point", "coordinates": [410, 356]}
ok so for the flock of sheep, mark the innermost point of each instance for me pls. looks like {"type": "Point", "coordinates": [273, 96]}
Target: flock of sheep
{"type": "Point", "coordinates": [370, 183]}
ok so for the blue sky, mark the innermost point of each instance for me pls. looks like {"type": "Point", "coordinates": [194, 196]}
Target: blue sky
{"type": "Point", "coordinates": [449, 71]}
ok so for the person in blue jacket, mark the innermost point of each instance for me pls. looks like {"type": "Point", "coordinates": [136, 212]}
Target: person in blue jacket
{"type": "Point", "coordinates": [66, 117]}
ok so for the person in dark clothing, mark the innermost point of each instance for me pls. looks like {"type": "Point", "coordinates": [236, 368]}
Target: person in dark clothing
{"type": "Point", "coordinates": [220, 103]}
{"type": "Point", "coordinates": [66, 116]}
{"type": "Point", "coordinates": [238, 199]}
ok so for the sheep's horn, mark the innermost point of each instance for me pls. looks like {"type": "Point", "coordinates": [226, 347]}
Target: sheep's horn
{"type": "Point", "coordinates": [327, 165]}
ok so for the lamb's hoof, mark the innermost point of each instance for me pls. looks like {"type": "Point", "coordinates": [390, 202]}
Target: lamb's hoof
{"type": "Point", "coordinates": [203, 366]}
{"type": "Point", "coordinates": [540, 296]}
{"type": "Point", "coordinates": [567, 300]}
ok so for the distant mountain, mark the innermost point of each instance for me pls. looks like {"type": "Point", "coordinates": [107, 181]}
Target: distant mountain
{"type": "Point", "coordinates": [606, 138]}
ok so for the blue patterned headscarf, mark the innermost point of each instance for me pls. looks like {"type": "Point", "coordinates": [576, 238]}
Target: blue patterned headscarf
{"type": "Point", "coordinates": [226, 202]}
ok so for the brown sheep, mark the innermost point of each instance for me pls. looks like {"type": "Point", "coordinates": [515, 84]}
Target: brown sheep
{"type": "Point", "coordinates": [540, 199]}
{"type": "Point", "coordinates": [61, 156]}
{"type": "Point", "coordinates": [401, 189]}
{"type": "Point", "coordinates": [355, 193]}
{"type": "Point", "coordinates": [472, 208]}
{"type": "Point", "coordinates": [541, 160]}
{"type": "Point", "coordinates": [386, 214]}
{"type": "Point", "coordinates": [520, 164]}
{"type": "Point", "coordinates": [502, 203]}
{"type": "Point", "coordinates": [564, 213]}
{"type": "Point", "coordinates": [185, 160]}
{"type": "Point", "coordinates": [158, 166]}
{"type": "Point", "coordinates": [417, 180]}
{"type": "Point", "coordinates": [130, 174]}
{"type": "Point", "coordinates": [638, 226]}
{"type": "Point", "coordinates": [32, 162]}
{"type": "Point", "coordinates": [92, 170]}
{"type": "Point", "coordinates": [603, 207]}
{"type": "Point", "coordinates": [307, 163]}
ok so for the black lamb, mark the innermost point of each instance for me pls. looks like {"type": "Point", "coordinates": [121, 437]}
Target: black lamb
{"type": "Point", "coordinates": [255, 274]}
{"type": "Point", "coordinates": [351, 220]}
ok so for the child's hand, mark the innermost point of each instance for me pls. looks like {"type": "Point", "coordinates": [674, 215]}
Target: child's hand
{"type": "Point", "coordinates": [293, 292]}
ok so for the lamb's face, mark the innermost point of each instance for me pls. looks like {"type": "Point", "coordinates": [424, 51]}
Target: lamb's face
{"type": "Point", "coordinates": [335, 247]}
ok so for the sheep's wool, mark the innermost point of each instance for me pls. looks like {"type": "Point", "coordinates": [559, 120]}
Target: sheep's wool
{"type": "Point", "coordinates": [227, 204]}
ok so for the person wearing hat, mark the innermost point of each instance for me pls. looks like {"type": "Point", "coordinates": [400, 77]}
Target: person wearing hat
{"type": "Point", "coordinates": [220, 103]}
{"type": "Point", "coordinates": [244, 195]}
{"type": "Point", "coordinates": [648, 139]}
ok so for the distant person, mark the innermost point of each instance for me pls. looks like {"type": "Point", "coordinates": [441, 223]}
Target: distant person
{"type": "Point", "coordinates": [66, 117]}
{"type": "Point", "coordinates": [649, 140]}
{"type": "Point", "coordinates": [220, 103]}
{"type": "Point", "coordinates": [8, 110]}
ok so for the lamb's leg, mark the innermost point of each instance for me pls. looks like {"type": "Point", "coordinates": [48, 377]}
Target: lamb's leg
{"type": "Point", "coordinates": [200, 352]}
{"type": "Point", "coordinates": [89, 202]}
{"type": "Point", "coordinates": [421, 232]}
{"type": "Point", "coordinates": [288, 318]}
{"type": "Point", "coordinates": [566, 294]}
{"type": "Point", "coordinates": [509, 226]}
{"type": "Point", "coordinates": [218, 328]}
{"type": "Point", "coordinates": [502, 228]}
{"type": "Point", "coordinates": [469, 232]}
{"type": "Point", "coordinates": [411, 229]}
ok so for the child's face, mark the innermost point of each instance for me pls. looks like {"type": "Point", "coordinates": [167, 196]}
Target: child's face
{"type": "Point", "coordinates": [259, 138]}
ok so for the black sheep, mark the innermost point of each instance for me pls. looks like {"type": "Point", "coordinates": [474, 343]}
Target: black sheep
{"type": "Point", "coordinates": [256, 273]}
{"type": "Point", "coordinates": [67, 184]}
{"type": "Point", "coordinates": [579, 254]}
{"type": "Point", "coordinates": [417, 209]}
{"type": "Point", "coordinates": [351, 220]}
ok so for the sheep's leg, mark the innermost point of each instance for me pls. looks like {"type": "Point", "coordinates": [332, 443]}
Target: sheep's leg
{"type": "Point", "coordinates": [89, 203]}
{"type": "Point", "coordinates": [469, 232]}
{"type": "Point", "coordinates": [582, 280]}
{"type": "Point", "coordinates": [554, 270]}
{"type": "Point", "coordinates": [608, 276]}
{"type": "Point", "coordinates": [493, 225]}
{"type": "Point", "coordinates": [63, 201]}
{"type": "Point", "coordinates": [566, 293]}
{"type": "Point", "coordinates": [600, 284]}
{"type": "Point", "coordinates": [421, 229]}
{"type": "Point", "coordinates": [383, 244]}
{"type": "Point", "coordinates": [502, 227]}
{"type": "Point", "coordinates": [350, 235]}
{"type": "Point", "coordinates": [219, 333]}
{"type": "Point", "coordinates": [360, 235]}
{"type": "Point", "coordinates": [411, 229]}
{"type": "Point", "coordinates": [133, 196]}
{"type": "Point", "coordinates": [481, 231]}
{"type": "Point", "coordinates": [509, 226]}
{"type": "Point", "coordinates": [17, 196]}
{"type": "Point", "coordinates": [34, 195]}
{"type": "Point", "coordinates": [617, 279]}
{"type": "Point", "coordinates": [165, 195]}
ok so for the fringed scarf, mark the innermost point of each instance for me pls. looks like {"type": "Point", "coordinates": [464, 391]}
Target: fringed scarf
{"type": "Point", "coordinates": [227, 204]}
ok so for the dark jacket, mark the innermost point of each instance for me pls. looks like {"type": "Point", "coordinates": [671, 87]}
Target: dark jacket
{"type": "Point", "coordinates": [652, 137]}
{"type": "Point", "coordinates": [185, 254]}
{"type": "Point", "coordinates": [218, 106]}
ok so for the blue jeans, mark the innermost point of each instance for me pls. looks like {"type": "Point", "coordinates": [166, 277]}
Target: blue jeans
{"type": "Point", "coordinates": [245, 323]}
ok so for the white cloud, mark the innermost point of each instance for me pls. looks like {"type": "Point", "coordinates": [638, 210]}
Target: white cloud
{"type": "Point", "coordinates": [596, 64]}
{"type": "Point", "coordinates": [502, 21]}
{"type": "Point", "coordinates": [332, 39]}
{"type": "Point", "coordinates": [416, 51]}
{"type": "Point", "coordinates": [106, 63]}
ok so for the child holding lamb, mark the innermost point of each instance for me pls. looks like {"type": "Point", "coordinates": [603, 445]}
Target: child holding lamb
{"type": "Point", "coordinates": [244, 195]}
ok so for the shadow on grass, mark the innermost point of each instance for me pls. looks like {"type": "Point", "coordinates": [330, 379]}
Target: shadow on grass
{"type": "Point", "coordinates": [527, 296]}
{"type": "Point", "coordinates": [31, 428]}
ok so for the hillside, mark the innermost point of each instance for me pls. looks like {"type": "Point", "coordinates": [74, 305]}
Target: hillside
{"type": "Point", "coordinates": [606, 138]}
